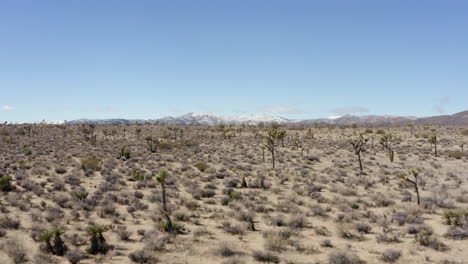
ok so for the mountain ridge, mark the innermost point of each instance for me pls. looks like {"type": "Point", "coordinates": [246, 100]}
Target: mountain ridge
{"type": "Point", "coordinates": [206, 119]}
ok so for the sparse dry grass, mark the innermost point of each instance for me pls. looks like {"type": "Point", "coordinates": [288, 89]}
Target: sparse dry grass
{"type": "Point", "coordinates": [228, 204]}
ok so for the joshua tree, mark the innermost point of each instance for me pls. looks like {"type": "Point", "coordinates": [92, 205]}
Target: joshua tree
{"type": "Point", "coordinates": [412, 173]}
{"type": "Point", "coordinates": [358, 146]}
{"type": "Point", "coordinates": [271, 143]}
{"type": "Point", "coordinates": [97, 241]}
{"type": "Point", "coordinates": [387, 143]}
{"type": "Point", "coordinates": [281, 135]}
{"type": "Point", "coordinates": [88, 132]}
{"type": "Point", "coordinates": [462, 144]}
{"type": "Point", "coordinates": [138, 132]}
{"type": "Point", "coordinates": [151, 143]}
{"type": "Point", "coordinates": [433, 141]}
{"type": "Point", "coordinates": [124, 153]}
{"type": "Point", "coordinates": [168, 226]}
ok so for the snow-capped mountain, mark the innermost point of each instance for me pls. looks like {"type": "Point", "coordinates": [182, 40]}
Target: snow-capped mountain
{"type": "Point", "coordinates": [213, 119]}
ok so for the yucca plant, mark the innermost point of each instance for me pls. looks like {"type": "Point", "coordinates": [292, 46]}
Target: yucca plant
{"type": "Point", "coordinates": [46, 237]}
{"type": "Point", "coordinates": [98, 244]}
{"type": "Point", "coordinates": [59, 246]}
{"type": "Point", "coordinates": [80, 195]}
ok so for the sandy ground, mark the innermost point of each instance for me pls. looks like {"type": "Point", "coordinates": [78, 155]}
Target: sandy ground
{"type": "Point", "coordinates": [315, 193]}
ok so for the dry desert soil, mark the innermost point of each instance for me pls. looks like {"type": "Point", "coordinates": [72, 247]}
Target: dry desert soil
{"type": "Point", "coordinates": [94, 194]}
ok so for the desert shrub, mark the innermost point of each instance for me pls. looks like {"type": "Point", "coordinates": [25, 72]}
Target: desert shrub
{"type": "Point", "coordinates": [233, 229]}
{"type": "Point", "coordinates": [347, 232]}
{"type": "Point", "coordinates": [60, 170]}
{"type": "Point", "coordinates": [75, 256]}
{"type": "Point", "coordinates": [123, 233]}
{"type": "Point", "coordinates": [5, 184]}
{"type": "Point", "coordinates": [265, 256]}
{"type": "Point", "coordinates": [275, 241]}
{"type": "Point", "coordinates": [80, 195]}
{"type": "Point", "coordinates": [429, 240]}
{"type": "Point", "coordinates": [173, 228]}
{"type": "Point", "coordinates": [464, 132]}
{"type": "Point", "coordinates": [226, 249]}
{"type": "Point", "coordinates": [457, 154]}
{"type": "Point", "coordinates": [297, 221]}
{"type": "Point", "coordinates": [363, 228]}
{"type": "Point", "coordinates": [456, 217]}
{"type": "Point", "coordinates": [326, 243]}
{"type": "Point", "coordinates": [91, 163]}
{"type": "Point", "coordinates": [138, 194]}
{"type": "Point", "coordinates": [15, 251]}
{"type": "Point", "coordinates": [142, 256]}
{"type": "Point", "coordinates": [391, 255]}
{"type": "Point", "coordinates": [387, 238]}
{"type": "Point", "coordinates": [2, 233]}
{"type": "Point", "coordinates": [454, 232]}
{"type": "Point", "coordinates": [9, 223]}
{"type": "Point", "coordinates": [342, 257]}
{"type": "Point", "coordinates": [321, 231]}
{"type": "Point", "coordinates": [417, 228]}
{"type": "Point", "coordinates": [181, 215]}
{"type": "Point", "coordinates": [278, 220]}
{"type": "Point", "coordinates": [137, 174]}
{"type": "Point", "coordinates": [234, 260]}
{"type": "Point", "coordinates": [201, 166]}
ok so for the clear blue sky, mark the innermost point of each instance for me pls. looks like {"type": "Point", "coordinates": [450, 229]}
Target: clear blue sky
{"type": "Point", "coordinates": [63, 60]}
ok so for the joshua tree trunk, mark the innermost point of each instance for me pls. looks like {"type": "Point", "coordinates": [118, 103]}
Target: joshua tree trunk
{"type": "Point", "coordinates": [273, 158]}
{"type": "Point", "coordinates": [165, 211]}
{"type": "Point", "coordinates": [415, 183]}
{"type": "Point", "coordinates": [244, 183]}
{"type": "Point", "coordinates": [360, 162]}
{"type": "Point", "coordinates": [417, 193]}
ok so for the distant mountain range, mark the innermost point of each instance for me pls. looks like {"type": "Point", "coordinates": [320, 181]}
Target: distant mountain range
{"type": "Point", "coordinates": [458, 119]}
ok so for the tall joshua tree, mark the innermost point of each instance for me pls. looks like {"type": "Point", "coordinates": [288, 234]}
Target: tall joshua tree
{"type": "Point", "coordinates": [168, 226]}
{"type": "Point", "coordinates": [271, 143]}
{"type": "Point", "coordinates": [358, 146]}
{"type": "Point", "coordinates": [414, 174]}
{"type": "Point", "coordinates": [387, 143]}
